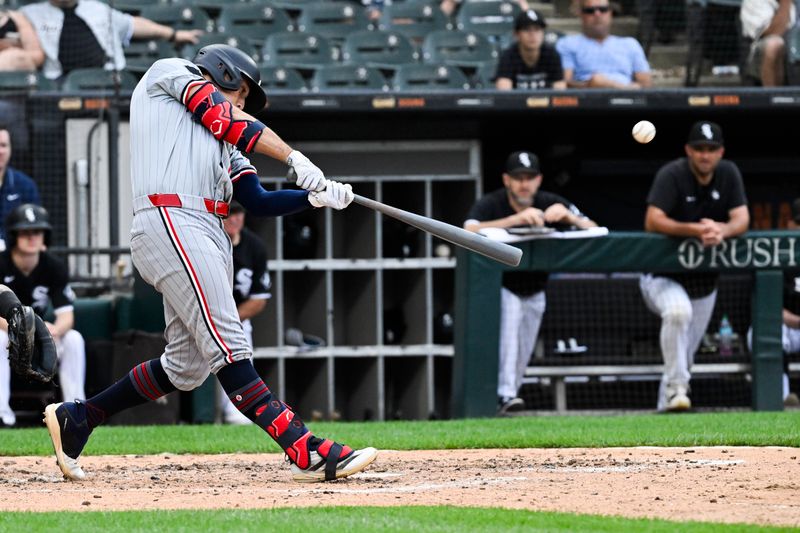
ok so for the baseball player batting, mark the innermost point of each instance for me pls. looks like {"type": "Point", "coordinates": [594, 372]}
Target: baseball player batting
{"type": "Point", "coordinates": [190, 124]}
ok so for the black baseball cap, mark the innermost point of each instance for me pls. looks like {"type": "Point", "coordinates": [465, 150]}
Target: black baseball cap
{"type": "Point", "coordinates": [529, 17]}
{"type": "Point", "coordinates": [520, 162]}
{"type": "Point", "coordinates": [705, 133]}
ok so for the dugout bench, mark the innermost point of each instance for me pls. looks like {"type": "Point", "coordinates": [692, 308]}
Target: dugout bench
{"type": "Point", "coordinates": [478, 281]}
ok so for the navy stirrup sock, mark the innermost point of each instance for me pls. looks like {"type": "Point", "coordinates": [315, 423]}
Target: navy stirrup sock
{"type": "Point", "coordinates": [250, 395]}
{"type": "Point", "coordinates": [145, 382]}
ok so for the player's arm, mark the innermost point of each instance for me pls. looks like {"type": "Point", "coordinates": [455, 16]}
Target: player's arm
{"type": "Point", "coordinates": [657, 221]}
{"type": "Point", "coordinates": [738, 222]}
{"type": "Point", "coordinates": [64, 321]}
{"type": "Point", "coordinates": [251, 307]}
{"type": "Point", "coordinates": [791, 320]}
{"type": "Point", "coordinates": [504, 84]}
{"type": "Point", "coordinates": [530, 216]}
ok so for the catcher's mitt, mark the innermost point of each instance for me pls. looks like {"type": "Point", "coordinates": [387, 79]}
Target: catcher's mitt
{"type": "Point", "coordinates": [31, 350]}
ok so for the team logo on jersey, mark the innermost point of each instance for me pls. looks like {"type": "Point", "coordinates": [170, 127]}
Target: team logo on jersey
{"type": "Point", "coordinates": [244, 281]}
{"type": "Point", "coordinates": [8, 279]}
{"type": "Point", "coordinates": [12, 197]}
{"type": "Point", "coordinates": [41, 297]}
{"type": "Point", "coordinates": [715, 194]}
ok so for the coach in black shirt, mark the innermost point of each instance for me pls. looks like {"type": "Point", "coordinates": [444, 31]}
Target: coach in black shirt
{"type": "Point", "coordinates": [530, 63]}
{"type": "Point", "coordinates": [700, 196]}
{"type": "Point", "coordinates": [522, 300]}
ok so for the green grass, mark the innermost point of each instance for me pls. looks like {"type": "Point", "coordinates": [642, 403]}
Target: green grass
{"type": "Point", "coordinates": [707, 429]}
{"type": "Point", "coordinates": [353, 519]}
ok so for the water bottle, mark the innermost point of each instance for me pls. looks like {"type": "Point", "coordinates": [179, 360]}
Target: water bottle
{"type": "Point", "coordinates": [725, 337]}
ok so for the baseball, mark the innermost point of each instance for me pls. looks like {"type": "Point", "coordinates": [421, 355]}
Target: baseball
{"type": "Point", "coordinates": [644, 131]}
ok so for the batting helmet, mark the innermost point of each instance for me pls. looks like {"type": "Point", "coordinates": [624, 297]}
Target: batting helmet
{"type": "Point", "coordinates": [27, 216]}
{"type": "Point", "coordinates": [228, 67]}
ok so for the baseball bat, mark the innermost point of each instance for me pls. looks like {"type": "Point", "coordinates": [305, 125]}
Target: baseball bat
{"type": "Point", "coordinates": [498, 251]}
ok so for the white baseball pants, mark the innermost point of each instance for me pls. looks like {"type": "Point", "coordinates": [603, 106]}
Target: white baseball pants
{"type": "Point", "coordinates": [520, 320]}
{"type": "Point", "coordinates": [683, 323]}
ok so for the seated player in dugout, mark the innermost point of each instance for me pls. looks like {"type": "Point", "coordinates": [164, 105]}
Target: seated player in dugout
{"type": "Point", "coordinates": [192, 122]}
{"type": "Point", "coordinates": [522, 301]}
{"type": "Point", "coordinates": [40, 280]}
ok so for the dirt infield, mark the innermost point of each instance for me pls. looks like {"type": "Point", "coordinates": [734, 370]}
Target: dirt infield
{"type": "Point", "coordinates": [731, 484]}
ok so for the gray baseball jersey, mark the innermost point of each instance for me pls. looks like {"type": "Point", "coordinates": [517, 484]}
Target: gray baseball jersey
{"type": "Point", "coordinates": [184, 252]}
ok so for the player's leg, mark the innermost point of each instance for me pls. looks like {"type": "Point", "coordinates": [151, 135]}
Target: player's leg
{"type": "Point", "coordinates": [6, 414]}
{"type": "Point", "coordinates": [72, 365]}
{"type": "Point", "coordinates": [702, 309]}
{"type": "Point", "coordinates": [230, 414]}
{"type": "Point", "coordinates": [532, 313]}
{"type": "Point", "coordinates": [510, 319]}
{"type": "Point", "coordinates": [668, 299]}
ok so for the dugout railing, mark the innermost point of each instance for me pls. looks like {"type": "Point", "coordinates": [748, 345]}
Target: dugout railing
{"type": "Point", "coordinates": [478, 281]}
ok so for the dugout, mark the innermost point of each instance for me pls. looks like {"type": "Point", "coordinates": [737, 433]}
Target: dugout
{"type": "Point", "coordinates": [78, 142]}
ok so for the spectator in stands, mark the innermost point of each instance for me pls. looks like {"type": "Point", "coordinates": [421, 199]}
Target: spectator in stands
{"type": "Point", "coordinates": [16, 188]}
{"type": "Point", "coordinates": [19, 46]}
{"type": "Point", "coordinates": [521, 203]}
{"type": "Point", "coordinates": [529, 63]}
{"type": "Point", "coordinates": [40, 280]}
{"type": "Point", "coordinates": [597, 59]}
{"type": "Point", "coordinates": [700, 196]}
{"type": "Point", "coordinates": [93, 34]}
{"type": "Point", "coordinates": [764, 23]}
{"type": "Point", "coordinates": [251, 286]}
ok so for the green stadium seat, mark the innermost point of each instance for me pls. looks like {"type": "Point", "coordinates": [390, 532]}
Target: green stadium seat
{"type": "Point", "coordinates": [292, 5]}
{"type": "Point", "coordinates": [17, 81]}
{"type": "Point", "coordinates": [134, 7]}
{"type": "Point", "coordinates": [139, 55]}
{"type": "Point", "coordinates": [332, 20]}
{"type": "Point", "coordinates": [98, 79]}
{"type": "Point", "coordinates": [415, 20]}
{"type": "Point", "coordinates": [298, 50]}
{"type": "Point", "coordinates": [380, 49]}
{"type": "Point", "coordinates": [488, 18]}
{"type": "Point", "coordinates": [484, 75]}
{"type": "Point", "coordinates": [253, 21]}
{"type": "Point", "coordinates": [180, 17]}
{"type": "Point", "coordinates": [190, 50]}
{"type": "Point", "coordinates": [94, 318]}
{"type": "Point", "coordinates": [282, 79]}
{"type": "Point", "coordinates": [427, 77]}
{"type": "Point", "coordinates": [347, 77]}
{"type": "Point", "coordinates": [213, 7]}
{"type": "Point", "coordinates": [459, 48]}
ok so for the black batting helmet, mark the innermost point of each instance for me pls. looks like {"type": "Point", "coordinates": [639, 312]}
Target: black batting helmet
{"type": "Point", "coordinates": [27, 216]}
{"type": "Point", "coordinates": [228, 67]}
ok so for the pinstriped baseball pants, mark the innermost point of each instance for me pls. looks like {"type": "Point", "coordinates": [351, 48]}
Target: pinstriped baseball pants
{"type": "Point", "coordinates": [186, 256]}
{"type": "Point", "coordinates": [683, 323]}
{"type": "Point", "coordinates": [520, 319]}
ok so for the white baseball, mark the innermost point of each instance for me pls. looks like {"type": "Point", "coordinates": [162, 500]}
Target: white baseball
{"type": "Point", "coordinates": [644, 131]}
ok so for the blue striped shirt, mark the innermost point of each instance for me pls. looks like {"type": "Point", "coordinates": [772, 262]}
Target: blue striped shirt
{"type": "Point", "coordinates": [617, 58]}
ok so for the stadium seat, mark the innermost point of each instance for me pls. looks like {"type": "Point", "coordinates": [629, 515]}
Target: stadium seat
{"type": "Point", "coordinates": [139, 55]}
{"type": "Point", "coordinates": [253, 21]}
{"type": "Point", "coordinates": [282, 78]}
{"type": "Point", "coordinates": [336, 77]}
{"type": "Point", "coordinates": [180, 17]}
{"type": "Point", "coordinates": [213, 7]}
{"type": "Point", "coordinates": [380, 49]}
{"type": "Point", "coordinates": [459, 48]}
{"type": "Point", "coordinates": [415, 20]}
{"type": "Point", "coordinates": [134, 7]}
{"type": "Point", "coordinates": [332, 20]}
{"type": "Point", "coordinates": [298, 50]}
{"type": "Point", "coordinates": [484, 75]}
{"type": "Point", "coordinates": [20, 81]}
{"type": "Point", "coordinates": [793, 56]}
{"type": "Point", "coordinates": [98, 79]}
{"type": "Point", "coordinates": [190, 50]}
{"type": "Point", "coordinates": [429, 77]}
{"type": "Point", "coordinates": [488, 18]}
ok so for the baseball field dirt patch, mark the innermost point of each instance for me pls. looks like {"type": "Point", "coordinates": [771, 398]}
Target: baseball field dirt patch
{"type": "Point", "coordinates": [717, 484]}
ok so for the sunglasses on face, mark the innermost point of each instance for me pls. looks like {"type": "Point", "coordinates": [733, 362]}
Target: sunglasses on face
{"type": "Point", "coordinates": [595, 9]}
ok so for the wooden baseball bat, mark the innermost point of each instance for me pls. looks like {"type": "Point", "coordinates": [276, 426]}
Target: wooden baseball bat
{"type": "Point", "coordinates": [504, 253]}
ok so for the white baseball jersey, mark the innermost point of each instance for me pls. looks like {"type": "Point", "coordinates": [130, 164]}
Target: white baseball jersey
{"type": "Point", "coordinates": [184, 252]}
